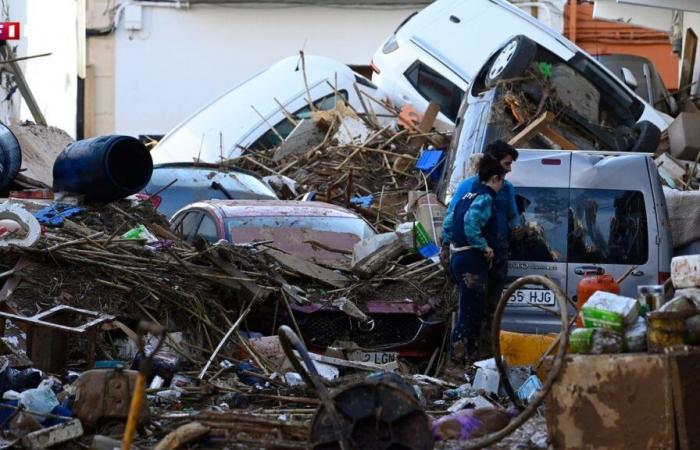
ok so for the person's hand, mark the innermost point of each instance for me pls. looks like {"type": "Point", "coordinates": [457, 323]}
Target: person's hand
{"type": "Point", "coordinates": [445, 255]}
{"type": "Point", "coordinates": [489, 253]}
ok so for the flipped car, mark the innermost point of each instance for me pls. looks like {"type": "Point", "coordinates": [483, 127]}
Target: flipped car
{"type": "Point", "coordinates": [256, 113]}
{"type": "Point", "coordinates": [587, 189]}
{"type": "Point", "coordinates": [323, 234]}
{"type": "Point", "coordinates": [435, 55]}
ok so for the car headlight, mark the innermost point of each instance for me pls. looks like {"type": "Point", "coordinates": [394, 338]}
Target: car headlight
{"type": "Point", "coordinates": [390, 45]}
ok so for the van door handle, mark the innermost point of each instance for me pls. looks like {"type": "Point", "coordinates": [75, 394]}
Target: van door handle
{"type": "Point", "coordinates": [637, 273]}
{"type": "Point", "coordinates": [583, 269]}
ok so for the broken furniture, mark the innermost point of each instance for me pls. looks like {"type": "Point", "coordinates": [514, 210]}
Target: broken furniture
{"type": "Point", "coordinates": [47, 334]}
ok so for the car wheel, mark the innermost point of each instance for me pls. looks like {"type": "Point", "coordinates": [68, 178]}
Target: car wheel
{"type": "Point", "coordinates": [648, 137]}
{"type": "Point", "coordinates": [10, 157]}
{"type": "Point", "coordinates": [512, 61]}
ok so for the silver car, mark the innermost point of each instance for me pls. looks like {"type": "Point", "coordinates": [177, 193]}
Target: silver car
{"type": "Point", "coordinates": [584, 211]}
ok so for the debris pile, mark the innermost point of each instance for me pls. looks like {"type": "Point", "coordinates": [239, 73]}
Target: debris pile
{"type": "Point", "coordinates": [357, 160]}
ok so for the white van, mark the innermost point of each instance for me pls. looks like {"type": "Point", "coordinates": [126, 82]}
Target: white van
{"type": "Point", "coordinates": [435, 54]}
{"type": "Point", "coordinates": [243, 117]}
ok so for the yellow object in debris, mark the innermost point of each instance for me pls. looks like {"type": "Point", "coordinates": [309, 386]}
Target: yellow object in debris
{"type": "Point", "coordinates": [519, 349]}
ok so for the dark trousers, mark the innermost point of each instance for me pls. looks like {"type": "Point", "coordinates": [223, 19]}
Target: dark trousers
{"type": "Point", "coordinates": [469, 269]}
{"type": "Point", "coordinates": [497, 280]}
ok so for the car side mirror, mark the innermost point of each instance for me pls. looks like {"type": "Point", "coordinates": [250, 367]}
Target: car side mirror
{"type": "Point", "coordinates": [673, 105]}
{"type": "Point", "coordinates": [629, 78]}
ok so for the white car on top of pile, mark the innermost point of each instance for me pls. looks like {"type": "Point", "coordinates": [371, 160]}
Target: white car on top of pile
{"type": "Point", "coordinates": [435, 54]}
{"type": "Point", "coordinates": [243, 117]}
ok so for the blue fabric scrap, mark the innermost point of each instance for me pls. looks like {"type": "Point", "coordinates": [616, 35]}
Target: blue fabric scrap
{"type": "Point", "coordinates": [362, 201]}
{"type": "Point", "coordinates": [54, 214]}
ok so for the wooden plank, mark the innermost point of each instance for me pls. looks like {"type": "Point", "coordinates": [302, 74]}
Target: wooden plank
{"type": "Point", "coordinates": [428, 119]}
{"type": "Point", "coordinates": [249, 289]}
{"type": "Point", "coordinates": [687, 66]}
{"type": "Point", "coordinates": [532, 129]}
{"type": "Point", "coordinates": [89, 102]}
{"type": "Point", "coordinates": [558, 139]}
{"type": "Point", "coordinates": [308, 269]}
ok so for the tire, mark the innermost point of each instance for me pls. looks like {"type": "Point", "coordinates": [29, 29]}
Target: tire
{"type": "Point", "coordinates": [648, 137]}
{"type": "Point", "coordinates": [10, 157]}
{"type": "Point", "coordinates": [513, 60]}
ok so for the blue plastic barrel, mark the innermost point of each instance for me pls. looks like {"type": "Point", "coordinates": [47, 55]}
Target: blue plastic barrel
{"type": "Point", "coordinates": [104, 168]}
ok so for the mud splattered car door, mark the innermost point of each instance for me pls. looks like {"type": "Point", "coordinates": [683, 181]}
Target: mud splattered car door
{"type": "Point", "coordinates": [541, 180]}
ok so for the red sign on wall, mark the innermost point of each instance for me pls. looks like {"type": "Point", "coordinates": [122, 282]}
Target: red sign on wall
{"type": "Point", "coordinates": [9, 31]}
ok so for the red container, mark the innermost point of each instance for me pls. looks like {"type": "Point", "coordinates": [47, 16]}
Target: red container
{"type": "Point", "coordinates": [591, 283]}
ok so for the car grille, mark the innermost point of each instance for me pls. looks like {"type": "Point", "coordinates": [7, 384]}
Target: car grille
{"type": "Point", "coordinates": [325, 327]}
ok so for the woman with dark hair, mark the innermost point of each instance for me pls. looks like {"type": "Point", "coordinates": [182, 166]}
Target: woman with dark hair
{"type": "Point", "coordinates": [471, 228]}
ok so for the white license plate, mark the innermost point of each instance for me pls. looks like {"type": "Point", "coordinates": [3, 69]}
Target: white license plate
{"type": "Point", "coordinates": [372, 357]}
{"type": "Point", "coordinates": [526, 297]}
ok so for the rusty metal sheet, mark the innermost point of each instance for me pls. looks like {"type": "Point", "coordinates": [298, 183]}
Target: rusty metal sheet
{"type": "Point", "coordinates": [612, 402]}
{"type": "Point", "coordinates": [686, 398]}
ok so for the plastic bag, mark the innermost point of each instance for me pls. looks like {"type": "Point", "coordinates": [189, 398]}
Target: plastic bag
{"type": "Point", "coordinates": [636, 336]}
{"type": "Point", "coordinates": [40, 400]}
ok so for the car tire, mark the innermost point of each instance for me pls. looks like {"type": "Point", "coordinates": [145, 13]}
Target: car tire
{"type": "Point", "coordinates": [648, 137]}
{"type": "Point", "coordinates": [513, 60]}
{"type": "Point", "coordinates": [10, 157]}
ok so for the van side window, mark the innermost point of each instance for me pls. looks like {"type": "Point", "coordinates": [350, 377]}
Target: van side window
{"type": "Point", "coordinates": [545, 211]}
{"type": "Point", "coordinates": [434, 87]}
{"type": "Point", "coordinates": [284, 127]}
{"type": "Point", "coordinates": [596, 226]}
{"type": "Point", "coordinates": [608, 227]}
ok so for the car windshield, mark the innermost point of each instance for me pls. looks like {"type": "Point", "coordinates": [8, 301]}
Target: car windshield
{"type": "Point", "coordinates": [601, 226]}
{"type": "Point", "coordinates": [613, 97]}
{"type": "Point", "coordinates": [348, 225]}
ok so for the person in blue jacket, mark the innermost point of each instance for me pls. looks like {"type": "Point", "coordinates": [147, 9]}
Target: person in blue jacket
{"type": "Point", "coordinates": [508, 219]}
{"type": "Point", "coordinates": [471, 228]}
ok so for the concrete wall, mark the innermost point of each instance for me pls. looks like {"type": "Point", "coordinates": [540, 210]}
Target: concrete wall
{"type": "Point", "coordinates": [182, 58]}
{"type": "Point", "coordinates": [99, 76]}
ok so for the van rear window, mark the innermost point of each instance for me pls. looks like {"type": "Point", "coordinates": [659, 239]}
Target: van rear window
{"type": "Point", "coordinates": [597, 226]}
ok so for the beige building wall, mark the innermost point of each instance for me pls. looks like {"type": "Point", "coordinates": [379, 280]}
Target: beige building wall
{"type": "Point", "coordinates": [99, 75]}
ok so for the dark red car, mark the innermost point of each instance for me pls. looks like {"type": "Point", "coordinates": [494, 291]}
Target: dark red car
{"type": "Point", "coordinates": [326, 235]}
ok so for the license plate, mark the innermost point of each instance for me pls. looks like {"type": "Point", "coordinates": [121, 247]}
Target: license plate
{"type": "Point", "coordinates": [372, 357]}
{"type": "Point", "coordinates": [526, 297]}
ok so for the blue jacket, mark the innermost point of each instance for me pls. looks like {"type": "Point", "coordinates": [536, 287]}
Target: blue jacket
{"type": "Point", "coordinates": [507, 216]}
{"type": "Point", "coordinates": [473, 219]}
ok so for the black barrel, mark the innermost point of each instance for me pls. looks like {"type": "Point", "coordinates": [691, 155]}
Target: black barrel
{"type": "Point", "coordinates": [104, 168]}
{"type": "Point", "coordinates": [10, 157]}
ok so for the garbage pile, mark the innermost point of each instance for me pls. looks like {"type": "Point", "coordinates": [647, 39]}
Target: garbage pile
{"type": "Point", "coordinates": [356, 160]}
{"type": "Point", "coordinates": [661, 319]}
